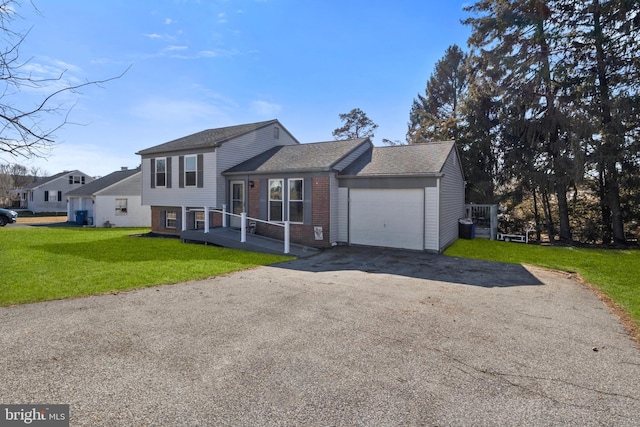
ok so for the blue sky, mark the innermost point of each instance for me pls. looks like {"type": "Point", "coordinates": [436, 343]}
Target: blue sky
{"type": "Point", "coordinates": [204, 64]}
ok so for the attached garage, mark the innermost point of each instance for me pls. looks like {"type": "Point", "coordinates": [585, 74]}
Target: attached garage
{"type": "Point", "coordinates": [405, 197]}
{"type": "Point", "coordinates": [392, 218]}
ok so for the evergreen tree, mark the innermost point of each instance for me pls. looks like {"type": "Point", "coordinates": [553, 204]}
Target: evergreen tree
{"type": "Point", "coordinates": [517, 49]}
{"type": "Point", "coordinates": [436, 115]}
{"type": "Point", "coordinates": [356, 125]}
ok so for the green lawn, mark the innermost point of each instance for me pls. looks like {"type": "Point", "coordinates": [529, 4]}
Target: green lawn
{"type": "Point", "coordinates": [40, 263]}
{"type": "Point", "coordinates": [615, 272]}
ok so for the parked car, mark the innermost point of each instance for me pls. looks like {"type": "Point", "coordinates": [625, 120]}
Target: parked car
{"type": "Point", "coordinates": [7, 217]}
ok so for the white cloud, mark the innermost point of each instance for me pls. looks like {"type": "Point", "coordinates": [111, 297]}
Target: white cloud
{"type": "Point", "coordinates": [175, 48]}
{"type": "Point", "coordinates": [153, 36]}
{"type": "Point", "coordinates": [222, 18]}
{"type": "Point", "coordinates": [169, 21]}
{"type": "Point", "coordinates": [265, 108]}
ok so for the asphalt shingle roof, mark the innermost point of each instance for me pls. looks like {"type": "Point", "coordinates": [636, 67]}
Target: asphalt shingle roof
{"type": "Point", "coordinates": [317, 156]}
{"type": "Point", "coordinates": [102, 183]}
{"type": "Point", "coordinates": [46, 179]}
{"type": "Point", "coordinates": [417, 159]}
{"type": "Point", "coordinates": [206, 138]}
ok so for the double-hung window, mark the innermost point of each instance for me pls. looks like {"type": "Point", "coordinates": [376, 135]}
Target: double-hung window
{"type": "Point", "coordinates": [199, 220]}
{"type": "Point", "coordinates": [275, 199]}
{"type": "Point", "coordinates": [190, 171]}
{"type": "Point", "coordinates": [161, 172]}
{"type": "Point", "coordinates": [296, 200]}
{"type": "Point", "coordinates": [171, 219]}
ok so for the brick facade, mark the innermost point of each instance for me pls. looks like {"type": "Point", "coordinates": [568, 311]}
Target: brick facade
{"type": "Point", "coordinates": [158, 223]}
{"type": "Point", "coordinates": [303, 234]}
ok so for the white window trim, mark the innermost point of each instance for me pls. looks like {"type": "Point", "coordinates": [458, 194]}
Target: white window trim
{"type": "Point", "coordinates": [195, 170]}
{"type": "Point", "coordinates": [155, 172]}
{"type": "Point", "coordinates": [119, 211]}
{"type": "Point", "coordinates": [281, 200]}
{"type": "Point", "coordinates": [174, 214]}
{"type": "Point", "coordinates": [296, 200]}
{"type": "Point", "coordinates": [199, 221]}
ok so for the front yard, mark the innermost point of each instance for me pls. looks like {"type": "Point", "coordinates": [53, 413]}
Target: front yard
{"type": "Point", "coordinates": [42, 263]}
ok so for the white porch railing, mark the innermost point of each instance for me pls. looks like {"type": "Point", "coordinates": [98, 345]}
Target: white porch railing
{"type": "Point", "coordinates": [243, 224]}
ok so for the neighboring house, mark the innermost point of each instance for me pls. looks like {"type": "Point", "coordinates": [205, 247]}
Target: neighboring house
{"type": "Point", "coordinates": [49, 194]}
{"type": "Point", "coordinates": [114, 200]}
{"type": "Point", "coordinates": [337, 192]}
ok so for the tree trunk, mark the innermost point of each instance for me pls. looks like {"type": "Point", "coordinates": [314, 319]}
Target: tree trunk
{"type": "Point", "coordinates": [604, 208]}
{"type": "Point", "coordinates": [536, 213]}
{"type": "Point", "coordinates": [563, 212]}
{"type": "Point", "coordinates": [609, 147]}
{"type": "Point", "coordinates": [546, 207]}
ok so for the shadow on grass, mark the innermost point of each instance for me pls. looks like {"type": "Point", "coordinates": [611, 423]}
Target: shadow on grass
{"type": "Point", "coordinates": [134, 249]}
{"type": "Point", "coordinates": [419, 265]}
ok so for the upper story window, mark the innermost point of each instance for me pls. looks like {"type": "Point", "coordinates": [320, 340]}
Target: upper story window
{"type": "Point", "coordinates": [275, 199]}
{"type": "Point", "coordinates": [296, 200]}
{"type": "Point", "coordinates": [276, 132]}
{"type": "Point", "coordinates": [76, 179]}
{"type": "Point", "coordinates": [190, 171]}
{"type": "Point", "coordinates": [161, 173]}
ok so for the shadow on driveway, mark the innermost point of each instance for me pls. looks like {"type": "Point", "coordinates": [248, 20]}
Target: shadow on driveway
{"type": "Point", "coordinates": [419, 265]}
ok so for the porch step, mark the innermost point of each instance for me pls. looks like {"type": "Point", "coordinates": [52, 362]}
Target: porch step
{"type": "Point", "coordinates": [230, 238]}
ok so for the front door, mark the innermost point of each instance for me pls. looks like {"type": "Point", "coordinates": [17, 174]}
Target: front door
{"type": "Point", "coordinates": [237, 202]}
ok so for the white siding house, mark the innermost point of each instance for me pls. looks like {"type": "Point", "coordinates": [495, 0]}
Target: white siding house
{"type": "Point", "coordinates": [114, 200]}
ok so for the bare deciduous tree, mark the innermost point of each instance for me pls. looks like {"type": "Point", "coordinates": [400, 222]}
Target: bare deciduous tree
{"type": "Point", "coordinates": [24, 132]}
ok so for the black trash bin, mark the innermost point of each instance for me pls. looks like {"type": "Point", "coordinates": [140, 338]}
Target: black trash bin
{"type": "Point", "coordinates": [466, 229]}
{"type": "Point", "coordinates": [81, 217]}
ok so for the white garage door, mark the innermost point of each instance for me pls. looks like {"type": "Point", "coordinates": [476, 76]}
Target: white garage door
{"type": "Point", "coordinates": [389, 218]}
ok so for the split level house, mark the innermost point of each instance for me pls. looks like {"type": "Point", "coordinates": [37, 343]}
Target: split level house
{"type": "Point", "coordinates": [331, 193]}
{"type": "Point", "coordinates": [49, 194]}
{"type": "Point", "coordinates": [115, 200]}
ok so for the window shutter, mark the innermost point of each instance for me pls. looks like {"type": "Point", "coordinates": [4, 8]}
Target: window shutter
{"type": "Point", "coordinates": [59, 196]}
{"type": "Point", "coordinates": [200, 166]}
{"type": "Point", "coordinates": [168, 172]}
{"type": "Point", "coordinates": [163, 219]}
{"type": "Point", "coordinates": [153, 173]}
{"type": "Point", "coordinates": [181, 171]}
{"type": "Point", "coordinates": [46, 195]}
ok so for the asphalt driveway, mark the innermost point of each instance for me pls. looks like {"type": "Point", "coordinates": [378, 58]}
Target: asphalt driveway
{"type": "Point", "coordinates": [347, 337]}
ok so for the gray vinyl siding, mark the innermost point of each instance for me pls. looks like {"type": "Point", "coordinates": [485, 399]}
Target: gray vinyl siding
{"type": "Point", "coordinates": [451, 200]}
{"type": "Point", "coordinates": [343, 215]}
{"type": "Point", "coordinates": [238, 150]}
{"type": "Point", "coordinates": [353, 156]}
{"type": "Point", "coordinates": [131, 186]}
{"type": "Point", "coordinates": [213, 192]}
{"type": "Point", "coordinates": [334, 212]}
{"type": "Point", "coordinates": [176, 196]}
